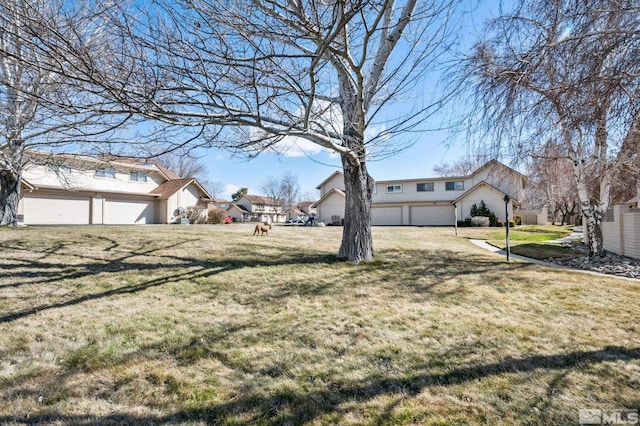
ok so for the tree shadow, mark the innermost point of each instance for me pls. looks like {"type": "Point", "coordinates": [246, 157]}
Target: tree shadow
{"type": "Point", "coordinates": [288, 407]}
{"type": "Point", "coordinates": [193, 268]}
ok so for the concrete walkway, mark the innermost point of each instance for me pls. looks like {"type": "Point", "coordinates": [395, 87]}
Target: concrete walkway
{"type": "Point", "coordinates": [483, 244]}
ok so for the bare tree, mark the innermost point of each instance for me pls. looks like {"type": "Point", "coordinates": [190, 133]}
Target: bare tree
{"type": "Point", "coordinates": [184, 164]}
{"type": "Point", "coordinates": [565, 70]}
{"type": "Point", "coordinates": [283, 191]}
{"type": "Point", "coordinates": [551, 182]}
{"type": "Point", "coordinates": [44, 111]}
{"type": "Point", "coordinates": [28, 95]}
{"type": "Point", "coordinates": [248, 75]}
{"type": "Point", "coordinates": [273, 189]}
{"type": "Point", "coordinates": [462, 167]}
{"type": "Point", "coordinates": [214, 188]}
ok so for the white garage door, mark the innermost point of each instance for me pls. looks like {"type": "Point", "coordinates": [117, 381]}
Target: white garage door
{"type": "Point", "coordinates": [432, 215]}
{"type": "Point", "coordinates": [52, 210]}
{"type": "Point", "coordinates": [386, 216]}
{"type": "Point", "coordinates": [127, 212]}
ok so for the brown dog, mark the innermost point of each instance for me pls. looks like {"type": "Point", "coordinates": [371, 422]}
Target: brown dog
{"type": "Point", "coordinates": [262, 230]}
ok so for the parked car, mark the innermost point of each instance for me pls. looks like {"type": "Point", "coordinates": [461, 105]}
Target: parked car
{"type": "Point", "coordinates": [294, 221]}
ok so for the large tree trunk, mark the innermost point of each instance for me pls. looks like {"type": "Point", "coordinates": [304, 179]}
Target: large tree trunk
{"type": "Point", "coordinates": [9, 198]}
{"type": "Point", "coordinates": [357, 241]}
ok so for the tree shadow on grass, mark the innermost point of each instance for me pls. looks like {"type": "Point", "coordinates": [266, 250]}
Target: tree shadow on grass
{"type": "Point", "coordinates": [407, 267]}
{"type": "Point", "coordinates": [288, 407]}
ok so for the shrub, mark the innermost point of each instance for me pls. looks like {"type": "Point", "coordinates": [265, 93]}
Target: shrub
{"type": "Point", "coordinates": [196, 214]}
{"type": "Point", "coordinates": [216, 215]}
{"type": "Point", "coordinates": [483, 210]}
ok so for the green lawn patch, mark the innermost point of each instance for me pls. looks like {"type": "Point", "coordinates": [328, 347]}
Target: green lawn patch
{"type": "Point", "coordinates": [533, 241]}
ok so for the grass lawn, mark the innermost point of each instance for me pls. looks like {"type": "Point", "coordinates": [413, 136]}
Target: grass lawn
{"type": "Point", "coordinates": [530, 241]}
{"type": "Point", "coordinates": [207, 325]}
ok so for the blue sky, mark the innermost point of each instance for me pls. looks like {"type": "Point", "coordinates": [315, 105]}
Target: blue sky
{"type": "Point", "coordinates": [430, 149]}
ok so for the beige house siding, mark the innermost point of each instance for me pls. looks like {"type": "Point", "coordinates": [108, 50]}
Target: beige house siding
{"type": "Point", "coordinates": [405, 205]}
{"type": "Point", "coordinates": [491, 197]}
{"type": "Point", "coordinates": [65, 195]}
{"type": "Point", "coordinates": [410, 191]}
{"type": "Point", "coordinates": [533, 217]}
{"type": "Point", "coordinates": [335, 181]}
{"type": "Point", "coordinates": [332, 206]}
{"type": "Point", "coordinates": [502, 178]}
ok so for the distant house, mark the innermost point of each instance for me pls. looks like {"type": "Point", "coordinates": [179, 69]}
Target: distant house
{"type": "Point", "coordinates": [307, 207]}
{"type": "Point", "coordinates": [256, 208]}
{"type": "Point", "coordinates": [428, 201]}
{"type": "Point", "coordinates": [76, 190]}
{"type": "Point", "coordinates": [220, 203]}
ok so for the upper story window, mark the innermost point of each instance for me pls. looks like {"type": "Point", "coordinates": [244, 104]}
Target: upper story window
{"type": "Point", "coordinates": [138, 176]}
{"type": "Point", "coordinates": [423, 187]}
{"type": "Point", "coordinates": [457, 185]}
{"type": "Point", "coordinates": [106, 172]}
{"type": "Point", "coordinates": [394, 189]}
{"type": "Point", "coordinates": [222, 205]}
{"type": "Point", "coordinates": [260, 206]}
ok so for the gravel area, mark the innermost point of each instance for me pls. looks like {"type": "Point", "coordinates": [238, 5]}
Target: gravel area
{"type": "Point", "coordinates": [611, 264]}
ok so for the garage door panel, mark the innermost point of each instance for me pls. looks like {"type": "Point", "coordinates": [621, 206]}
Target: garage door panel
{"type": "Point", "coordinates": [386, 216]}
{"type": "Point", "coordinates": [126, 212]}
{"type": "Point", "coordinates": [432, 215]}
{"type": "Point", "coordinates": [53, 210]}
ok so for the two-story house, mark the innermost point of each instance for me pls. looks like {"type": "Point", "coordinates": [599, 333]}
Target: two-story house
{"type": "Point", "coordinates": [77, 190]}
{"type": "Point", "coordinates": [428, 201]}
{"type": "Point", "coordinates": [256, 208]}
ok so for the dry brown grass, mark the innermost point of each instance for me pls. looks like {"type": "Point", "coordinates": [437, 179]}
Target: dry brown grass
{"type": "Point", "coordinates": [210, 325]}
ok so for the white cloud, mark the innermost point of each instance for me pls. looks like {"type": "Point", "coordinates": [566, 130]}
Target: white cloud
{"type": "Point", "coordinates": [228, 190]}
{"type": "Point", "coordinates": [298, 147]}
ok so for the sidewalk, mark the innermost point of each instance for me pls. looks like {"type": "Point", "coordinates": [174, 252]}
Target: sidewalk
{"type": "Point", "coordinates": [483, 244]}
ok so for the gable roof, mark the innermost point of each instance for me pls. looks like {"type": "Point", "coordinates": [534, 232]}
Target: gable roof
{"type": "Point", "coordinates": [170, 187]}
{"type": "Point", "coordinates": [166, 172]}
{"type": "Point", "coordinates": [336, 173]}
{"type": "Point", "coordinates": [259, 199]}
{"type": "Point", "coordinates": [476, 186]}
{"type": "Point", "coordinates": [488, 164]}
{"type": "Point", "coordinates": [495, 162]}
{"type": "Point", "coordinates": [239, 207]}
{"type": "Point", "coordinates": [327, 195]}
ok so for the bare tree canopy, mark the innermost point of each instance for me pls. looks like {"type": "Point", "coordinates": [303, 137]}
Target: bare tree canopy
{"type": "Point", "coordinates": [283, 191]}
{"type": "Point", "coordinates": [565, 70]}
{"type": "Point", "coordinates": [41, 109]}
{"type": "Point", "coordinates": [246, 75]}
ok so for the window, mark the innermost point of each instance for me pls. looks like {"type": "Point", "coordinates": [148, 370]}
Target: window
{"type": "Point", "coordinates": [457, 185]}
{"type": "Point", "coordinates": [138, 176]}
{"type": "Point", "coordinates": [423, 187]}
{"type": "Point", "coordinates": [394, 188]}
{"type": "Point", "coordinates": [106, 172]}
